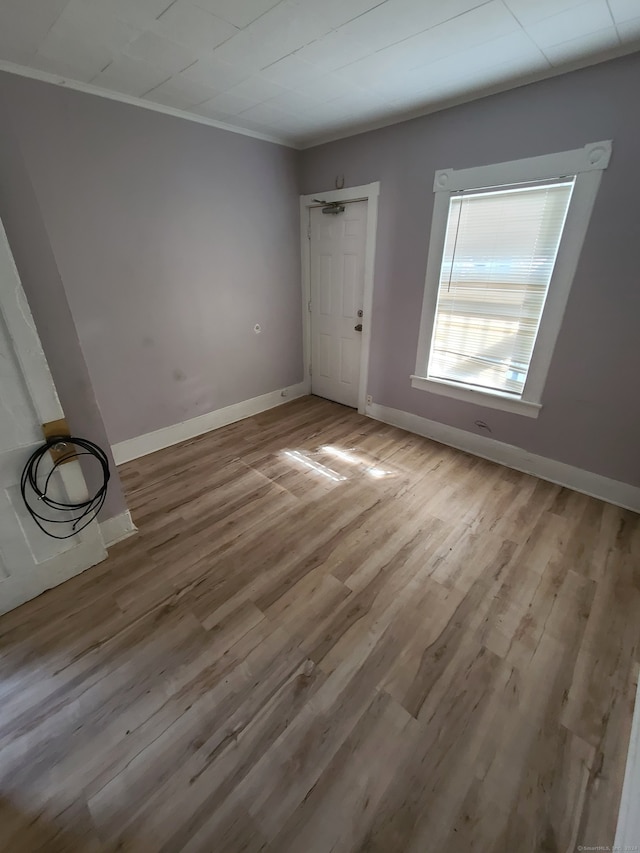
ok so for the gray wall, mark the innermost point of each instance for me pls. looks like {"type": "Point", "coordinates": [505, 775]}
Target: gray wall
{"type": "Point", "coordinates": [170, 240]}
{"type": "Point", "coordinates": [591, 405]}
{"type": "Point", "coordinates": [173, 239]}
{"type": "Point", "coordinates": [43, 287]}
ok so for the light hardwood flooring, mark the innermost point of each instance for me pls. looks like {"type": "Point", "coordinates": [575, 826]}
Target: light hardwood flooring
{"type": "Point", "coordinates": [328, 635]}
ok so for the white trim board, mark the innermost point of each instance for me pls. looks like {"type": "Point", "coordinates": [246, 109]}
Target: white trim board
{"type": "Point", "coordinates": [490, 399]}
{"type": "Point", "coordinates": [142, 445]}
{"type": "Point", "coordinates": [628, 830]}
{"type": "Point", "coordinates": [594, 485]}
{"type": "Point", "coordinates": [117, 528]}
{"type": "Point", "coordinates": [89, 89]}
{"type": "Point", "coordinates": [368, 193]}
{"type": "Point", "coordinates": [86, 548]}
{"type": "Point", "coordinates": [594, 156]}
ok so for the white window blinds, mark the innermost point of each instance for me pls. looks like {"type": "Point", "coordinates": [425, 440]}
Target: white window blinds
{"type": "Point", "coordinates": [500, 250]}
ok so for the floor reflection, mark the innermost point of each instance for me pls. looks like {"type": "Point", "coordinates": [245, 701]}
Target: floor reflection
{"type": "Point", "coordinates": [370, 467]}
{"type": "Point", "coordinates": [357, 462]}
{"type": "Point", "coordinates": [304, 459]}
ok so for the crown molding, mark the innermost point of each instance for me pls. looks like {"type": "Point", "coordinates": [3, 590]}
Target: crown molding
{"type": "Point", "coordinates": [303, 143]}
{"type": "Point", "coordinates": [89, 89]}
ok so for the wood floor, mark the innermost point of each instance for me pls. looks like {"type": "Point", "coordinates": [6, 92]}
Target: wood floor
{"type": "Point", "coordinates": [328, 635]}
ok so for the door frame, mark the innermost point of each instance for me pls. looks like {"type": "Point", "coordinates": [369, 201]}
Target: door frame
{"type": "Point", "coordinates": [368, 193]}
{"type": "Point", "coordinates": [23, 336]}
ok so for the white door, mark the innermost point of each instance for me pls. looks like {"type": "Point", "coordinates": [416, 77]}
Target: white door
{"type": "Point", "coordinates": [337, 287]}
{"type": "Point", "coordinates": [30, 561]}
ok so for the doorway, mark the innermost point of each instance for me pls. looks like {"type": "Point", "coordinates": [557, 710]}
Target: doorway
{"type": "Point", "coordinates": [338, 251]}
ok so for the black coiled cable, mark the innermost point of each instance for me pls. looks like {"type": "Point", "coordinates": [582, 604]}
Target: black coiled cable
{"type": "Point", "coordinates": [87, 509]}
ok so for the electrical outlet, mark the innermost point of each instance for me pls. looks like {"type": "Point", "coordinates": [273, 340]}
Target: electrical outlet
{"type": "Point", "coordinates": [369, 399]}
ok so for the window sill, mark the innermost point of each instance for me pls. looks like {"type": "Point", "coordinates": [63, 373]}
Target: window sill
{"type": "Point", "coordinates": [490, 399]}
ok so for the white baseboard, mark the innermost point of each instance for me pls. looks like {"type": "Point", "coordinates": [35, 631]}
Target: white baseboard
{"type": "Point", "coordinates": [595, 485]}
{"type": "Point", "coordinates": [117, 528]}
{"type": "Point", "coordinates": [628, 831]}
{"type": "Point", "coordinates": [141, 445]}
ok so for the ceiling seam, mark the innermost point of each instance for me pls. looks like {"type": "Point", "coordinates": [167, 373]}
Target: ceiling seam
{"type": "Point", "coordinates": [525, 31]}
{"type": "Point", "coordinates": [434, 26]}
{"type": "Point", "coordinates": [164, 11]}
{"type": "Point", "coordinates": [613, 21]}
{"type": "Point", "coordinates": [497, 89]}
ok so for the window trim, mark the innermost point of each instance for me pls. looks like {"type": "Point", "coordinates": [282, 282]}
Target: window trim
{"type": "Point", "coordinates": [587, 164]}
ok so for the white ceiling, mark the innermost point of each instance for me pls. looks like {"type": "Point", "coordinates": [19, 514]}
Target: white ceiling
{"type": "Point", "coordinates": [306, 70]}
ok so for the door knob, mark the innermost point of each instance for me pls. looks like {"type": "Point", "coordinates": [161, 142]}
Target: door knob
{"type": "Point", "coordinates": [358, 328]}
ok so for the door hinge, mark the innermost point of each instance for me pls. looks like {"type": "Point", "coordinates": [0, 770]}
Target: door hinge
{"type": "Point", "coordinates": [310, 370]}
{"type": "Point", "coordinates": [309, 306]}
{"type": "Point", "coordinates": [309, 233]}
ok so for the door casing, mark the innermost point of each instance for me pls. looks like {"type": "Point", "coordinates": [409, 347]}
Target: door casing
{"type": "Point", "coordinates": [88, 548]}
{"type": "Point", "coordinates": [370, 194]}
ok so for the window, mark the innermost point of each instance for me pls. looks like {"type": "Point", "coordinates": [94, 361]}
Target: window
{"type": "Point", "coordinates": [505, 243]}
{"type": "Point", "coordinates": [499, 253]}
